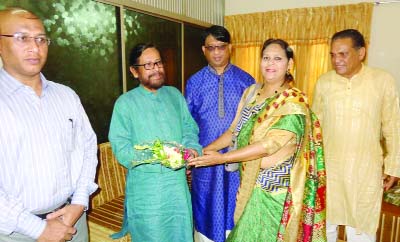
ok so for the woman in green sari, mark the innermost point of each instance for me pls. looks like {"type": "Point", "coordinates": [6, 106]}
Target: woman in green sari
{"type": "Point", "coordinates": [276, 139]}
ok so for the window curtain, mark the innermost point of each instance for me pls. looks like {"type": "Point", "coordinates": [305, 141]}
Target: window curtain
{"type": "Point", "coordinates": [308, 32]}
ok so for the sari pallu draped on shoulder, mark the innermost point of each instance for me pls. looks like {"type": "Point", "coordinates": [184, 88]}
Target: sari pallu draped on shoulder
{"type": "Point", "coordinates": [302, 209]}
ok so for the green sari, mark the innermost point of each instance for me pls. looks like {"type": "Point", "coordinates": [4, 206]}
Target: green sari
{"type": "Point", "coordinates": [287, 201]}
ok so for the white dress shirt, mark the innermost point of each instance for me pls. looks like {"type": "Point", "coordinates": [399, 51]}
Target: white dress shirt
{"type": "Point", "coordinates": [48, 153]}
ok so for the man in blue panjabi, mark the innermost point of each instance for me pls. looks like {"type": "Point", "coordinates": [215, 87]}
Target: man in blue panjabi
{"type": "Point", "coordinates": [157, 200]}
{"type": "Point", "coordinates": [213, 94]}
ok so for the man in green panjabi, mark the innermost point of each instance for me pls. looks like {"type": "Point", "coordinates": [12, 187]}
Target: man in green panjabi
{"type": "Point", "coordinates": [157, 199]}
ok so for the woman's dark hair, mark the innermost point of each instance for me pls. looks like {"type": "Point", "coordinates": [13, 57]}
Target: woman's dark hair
{"type": "Point", "coordinates": [353, 34]}
{"type": "Point", "coordinates": [288, 51]}
{"type": "Point", "coordinates": [218, 32]}
{"type": "Point", "coordinates": [137, 51]}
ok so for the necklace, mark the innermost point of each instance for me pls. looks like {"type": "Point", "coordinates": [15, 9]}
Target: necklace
{"type": "Point", "coordinates": [267, 96]}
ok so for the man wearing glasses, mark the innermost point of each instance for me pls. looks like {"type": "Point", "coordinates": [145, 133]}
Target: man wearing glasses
{"type": "Point", "coordinates": [48, 152]}
{"type": "Point", "coordinates": [157, 200]}
{"type": "Point", "coordinates": [213, 94]}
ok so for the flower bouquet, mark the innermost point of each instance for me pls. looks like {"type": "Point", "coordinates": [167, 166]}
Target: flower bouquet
{"type": "Point", "coordinates": [168, 154]}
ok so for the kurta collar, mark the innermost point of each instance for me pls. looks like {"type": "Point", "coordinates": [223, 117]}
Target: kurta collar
{"type": "Point", "coordinates": [362, 70]}
{"type": "Point", "coordinates": [358, 73]}
{"type": "Point", "coordinates": [146, 92]}
{"type": "Point", "coordinates": [11, 85]}
{"type": "Point", "coordinates": [227, 67]}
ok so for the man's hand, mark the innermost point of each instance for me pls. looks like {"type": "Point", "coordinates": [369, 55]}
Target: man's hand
{"type": "Point", "coordinates": [389, 181]}
{"type": "Point", "coordinates": [56, 231]}
{"type": "Point", "coordinates": [68, 214]}
{"type": "Point", "coordinates": [193, 154]}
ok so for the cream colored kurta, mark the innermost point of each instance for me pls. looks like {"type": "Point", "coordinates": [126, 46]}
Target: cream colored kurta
{"type": "Point", "coordinates": [355, 114]}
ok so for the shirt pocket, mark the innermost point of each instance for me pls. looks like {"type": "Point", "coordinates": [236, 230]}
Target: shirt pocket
{"type": "Point", "coordinates": [69, 134]}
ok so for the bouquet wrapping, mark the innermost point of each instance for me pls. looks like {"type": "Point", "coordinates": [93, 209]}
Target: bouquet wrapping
{"type": "Point", "coordinates": [169, 154]}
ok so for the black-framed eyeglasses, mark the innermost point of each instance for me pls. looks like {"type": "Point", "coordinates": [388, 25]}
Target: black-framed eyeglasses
{"type": "Point", "coordinates": [23, 39]}
{"type": "Point", "coordinates": [212, 48]}
{"type": "Point", "coordinates": [150, 65]}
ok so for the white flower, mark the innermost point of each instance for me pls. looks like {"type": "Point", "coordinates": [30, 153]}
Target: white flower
{"type": "Point", "coordinates": [174, 157]}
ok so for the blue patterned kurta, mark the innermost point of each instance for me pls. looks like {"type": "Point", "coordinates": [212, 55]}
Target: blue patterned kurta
{"type": "Point", "coordinates": [214, 189]}
{"type": "Point", "coordinates": [157, 199]}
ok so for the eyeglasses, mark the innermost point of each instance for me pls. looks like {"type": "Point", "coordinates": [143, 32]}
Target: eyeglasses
{"type": "Point", "coordinates": [150, 65]}
{"type": "Point", "coordinates": [23, 39]}
{"type": "Point", "coordinates": [212, 48]}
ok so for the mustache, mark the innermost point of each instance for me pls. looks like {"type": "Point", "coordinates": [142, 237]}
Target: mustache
{"type": "Point", "coordinates": [156, 73]}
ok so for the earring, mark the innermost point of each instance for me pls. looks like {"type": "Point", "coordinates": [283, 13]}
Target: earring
{"type": "Point", "coordinates": [288, 72]}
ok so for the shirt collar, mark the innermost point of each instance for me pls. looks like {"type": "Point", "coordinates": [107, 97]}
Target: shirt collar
{"type": "Point", "coordinates": [10, 85]}
{"type": "Point", "coordinates": [227, 67]}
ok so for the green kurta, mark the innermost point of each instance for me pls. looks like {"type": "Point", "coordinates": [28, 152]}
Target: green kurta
{"type": "Point", "coordinates": [157, 202]}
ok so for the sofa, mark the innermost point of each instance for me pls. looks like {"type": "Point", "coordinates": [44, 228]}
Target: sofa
{"type": "Point", "coordinates": [106, 209]}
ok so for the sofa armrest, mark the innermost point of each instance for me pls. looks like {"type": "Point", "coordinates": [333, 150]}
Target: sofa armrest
{"type": "Point", "coordinates": [110, 177]}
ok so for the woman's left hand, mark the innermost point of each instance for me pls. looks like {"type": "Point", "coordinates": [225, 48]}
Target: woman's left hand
{"type": "Point", "coordinates": [209, 158]}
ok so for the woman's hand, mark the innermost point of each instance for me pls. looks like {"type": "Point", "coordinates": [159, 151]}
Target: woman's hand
{"type": "Point", "coordinates": [209, 158]}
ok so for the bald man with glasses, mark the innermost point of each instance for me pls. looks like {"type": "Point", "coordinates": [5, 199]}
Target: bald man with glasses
{"type": "Point", "coordinates": [48, 152]}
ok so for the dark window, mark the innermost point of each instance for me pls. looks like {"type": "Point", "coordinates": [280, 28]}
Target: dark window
{"type": "Point", "coordinates": [194, 57]}
{"type": "Point", "coordinates": [86, 50]}
{"type": "Point", "coordinates": [166, 34]}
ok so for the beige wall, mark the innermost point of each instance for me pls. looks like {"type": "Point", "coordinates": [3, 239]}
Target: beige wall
{"type": "Point", "coordinates": [384, 51]}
